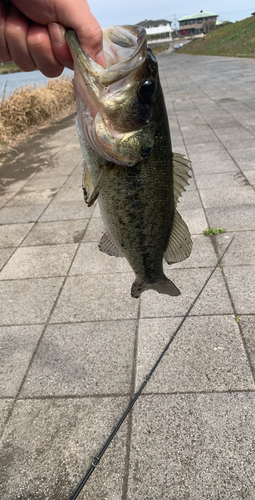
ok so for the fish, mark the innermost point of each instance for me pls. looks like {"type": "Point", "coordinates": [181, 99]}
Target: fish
{"type": "Point", "coordinates": [129, 166]}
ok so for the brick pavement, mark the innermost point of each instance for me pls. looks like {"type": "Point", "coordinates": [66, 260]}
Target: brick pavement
{"type": "Point", "coordinates": [75, 345]}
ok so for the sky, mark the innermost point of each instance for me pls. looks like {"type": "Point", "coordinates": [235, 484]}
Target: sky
{"type": "Point", "coordinates": [114, 12]}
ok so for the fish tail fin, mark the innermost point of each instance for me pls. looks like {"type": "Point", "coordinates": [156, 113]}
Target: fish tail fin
{"type": "Point", "coordinates": [165, 286]}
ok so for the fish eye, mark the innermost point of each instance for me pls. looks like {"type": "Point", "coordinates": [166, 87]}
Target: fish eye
{"type": "Point", "coordinates": [146, 90]}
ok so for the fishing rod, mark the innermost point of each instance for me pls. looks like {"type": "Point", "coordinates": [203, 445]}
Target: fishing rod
{"type": "Point", "coordinates": [96, 459]}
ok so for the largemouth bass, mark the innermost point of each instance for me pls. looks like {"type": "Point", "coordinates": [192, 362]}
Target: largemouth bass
{"type": "Point", "coordinates": [128, 161]}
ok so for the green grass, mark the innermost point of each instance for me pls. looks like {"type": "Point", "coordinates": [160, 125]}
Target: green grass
{"type": "Point", "coordinates": [235, 40]}
{"type": "Point", "coordinates": [160, 48]}
{"type": "Point", "coordinates": [5, 69]}
{"type": "Point", "coordinates": [213, 230]}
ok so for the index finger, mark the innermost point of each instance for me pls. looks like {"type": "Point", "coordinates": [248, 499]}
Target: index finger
{"type": "Point", "coordinates": [4, 51]}
{"type": "Point", "coordinates": [70, 14]}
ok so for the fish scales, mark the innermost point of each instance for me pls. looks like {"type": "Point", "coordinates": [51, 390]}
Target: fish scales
{"type": "Point", "coordinates": [136, 177]}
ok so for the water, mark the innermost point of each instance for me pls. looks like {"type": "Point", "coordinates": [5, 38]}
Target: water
{"type": "Point", "coordinates": [17, 80]}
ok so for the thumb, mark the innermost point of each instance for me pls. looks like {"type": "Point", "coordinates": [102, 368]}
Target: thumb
{"type": "Point", "coordinates": [77, 15]}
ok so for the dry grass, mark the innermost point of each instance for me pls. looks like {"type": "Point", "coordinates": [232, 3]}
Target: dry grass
{"type": "Point", "coordinates": [28, 108]}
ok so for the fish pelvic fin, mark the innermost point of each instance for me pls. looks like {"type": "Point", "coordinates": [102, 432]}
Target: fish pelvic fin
{"type": "Point", "coordinates": [107, 246]}
{"type": "Point", "coordinates": [180, 243]}
{"type": "Point", "coordinates": [165, 286]}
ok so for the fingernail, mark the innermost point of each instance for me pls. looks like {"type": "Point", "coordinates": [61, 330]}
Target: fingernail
{"type": "Point", "coordinates": [100, 58]}
{"type": "Point", "coordinates": [57, 33]}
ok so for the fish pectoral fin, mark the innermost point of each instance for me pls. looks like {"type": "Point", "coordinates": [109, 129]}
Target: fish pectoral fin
{"type": "Point", "coordinates": [87, 185]}
{"type": "Point", "coordinates": [90, 192]}
{"type": "Point", "coordinates": [181, 169]}
{"type": "Point", "coordinates": [107, 246]}
{"type": "Point", "coordinates": [180, 243]}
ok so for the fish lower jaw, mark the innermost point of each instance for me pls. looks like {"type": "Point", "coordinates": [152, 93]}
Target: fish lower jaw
{"type": "Point", "coordinates": [166, 286]}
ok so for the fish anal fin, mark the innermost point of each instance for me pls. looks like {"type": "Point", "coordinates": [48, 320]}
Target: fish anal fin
{"type": "Point", "coordinates": [181, 173]}
{"type": "Point", "coordinates": [180, 243]}
{"type": "Point", "coordinates": [107, 246]}
{"type": "Point", "coordinates": [165, 286]}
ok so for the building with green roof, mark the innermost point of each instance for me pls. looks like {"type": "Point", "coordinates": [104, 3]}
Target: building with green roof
{"type": "Point", "coordinates": [201, 22]}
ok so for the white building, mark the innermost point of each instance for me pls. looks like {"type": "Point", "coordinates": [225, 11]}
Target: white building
{"type": "Point", "coordinates": [159, 31]}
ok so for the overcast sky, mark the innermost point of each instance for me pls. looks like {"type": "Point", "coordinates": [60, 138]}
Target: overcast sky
{"type": "Point", "coordinates": [113, 12]}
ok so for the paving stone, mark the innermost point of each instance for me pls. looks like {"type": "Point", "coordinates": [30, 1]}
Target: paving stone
{"type": "Point", "coordinates": [201, 166]}
{"type": "Point", "coordinates": [213, 157]}
{"type": "Point", "coordinates": [5, 197]}
{"type": "Point", "coordinates": [14, 186]}
{"type": "Point", "coordinates": [202, 255]}
{"type": "Point", "coordinates": [60, 169]}
{"type": "Point", "coordinates": [244, 157]}
{"type": "Point", "coordinates": [5, 405]}
{"type": "Point", "coordinates": [11, 235]}
{"type": "Point", "coordinates": [27, 301]}
{"type": "Point", "coordinates": [228, 196]}
{"type": "Point", "coordinates": [232, 218]}
{"type": "Point", "coordinates": [94, 230]}
{"type": "Point", "coordinates": [48, 445]}
{"type": "Point", "coordinates": [250, 175]}
{"type": "Point", "coordinates": [69, 193]}
{"type": "Point", "coordinates": [208, 147]}
{"type": "Point", "coordinates": [96, 297]}
{"type": "Point", "coordinates": [214, 299]}
{"type": "Point", "coordinates": [90, 260]}
{"type": "Point", "coordinates": [66, 211]}
{"type": "Point", "coordinates": [59, 232]}
{"type": "Point", "coordinates": [17, 346]}
{"type": "Point", "coordinates": [247, 324]}
{"type": "Point", "coordinates": [75, 180]}
{"type": "Point", "coordinates": [195, 446]}
{"type": "Point", "coordinates": [13, 215]}
{"type": "Point", "coordinates": [217, 180]}
{"type": "Point", "coordinates": [241, 284]}
{"type": "Point", "coordinates": [242, 250]}
{"type": "Point", "coordinates": [207, 354]}
{"type": "Point", "coordinates": [46, 183]}
{"type": "Point", "coordinates": [195, 219]}
{"type": "Point", "coordinates": [27, 197]}
{"type": "Point", "coordinates": [38, 262]}
{"type": "Point", "coordinates": [5, 254]}
{"type": "Point", "coordinates": [96, 212]}
{"type": "Point", "coordinates": [189, 200]}
{"type": "Point", "coordinates": [69, 360]}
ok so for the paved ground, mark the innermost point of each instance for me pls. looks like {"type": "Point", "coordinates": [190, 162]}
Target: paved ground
{"type": "Point", "coordinates": [75, 345]}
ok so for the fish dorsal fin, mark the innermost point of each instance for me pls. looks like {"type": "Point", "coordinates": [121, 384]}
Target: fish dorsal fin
{"type": "Point", "coordinates": [106, 245]}
{"type": "Point", "coordinates": [87, 185]}
{"type": "Point", "coordinates": [181, 169]}
{"type": "Point", "coordinates": [180, 243]}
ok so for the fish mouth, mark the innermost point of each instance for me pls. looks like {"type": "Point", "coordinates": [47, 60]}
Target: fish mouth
{"type": "Point", "coordinates": [125, 49]}
{"type": "Point", "coordinates": [108, 113]}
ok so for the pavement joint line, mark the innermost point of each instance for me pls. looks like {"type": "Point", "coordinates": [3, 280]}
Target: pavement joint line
{"type": "Point", "coordinates": [118, 320]}
{"type": "Point", "coordinates": [124, 495]}
{"type": "Point", "coordinates": [60, 397]}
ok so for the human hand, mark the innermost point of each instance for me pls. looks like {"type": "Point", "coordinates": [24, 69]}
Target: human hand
{"type": "Point", "coordinates": [32, 33]}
